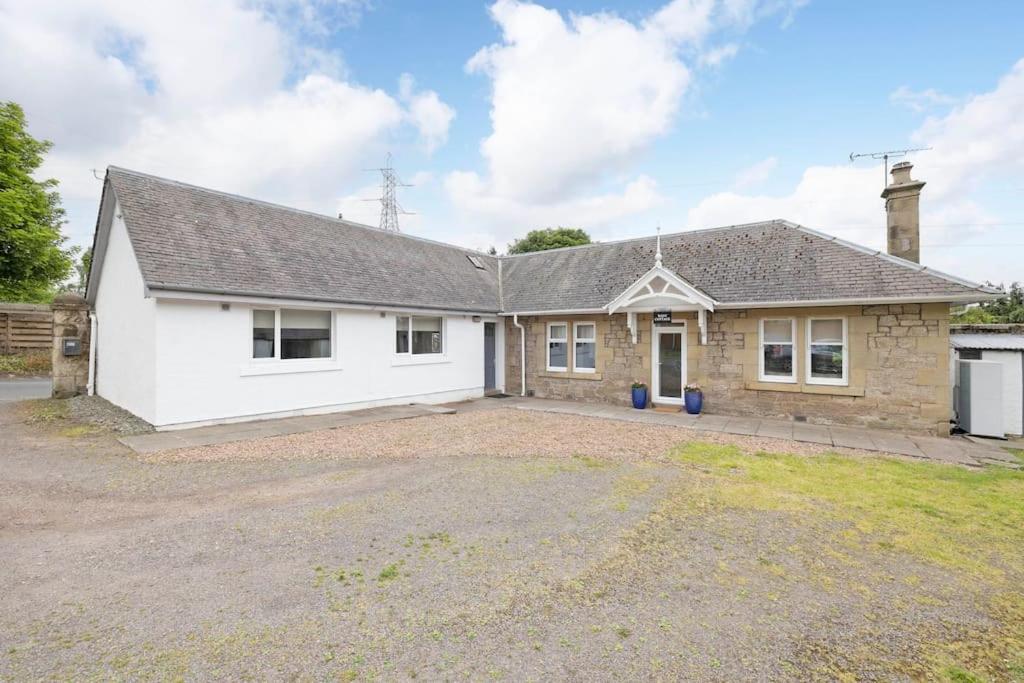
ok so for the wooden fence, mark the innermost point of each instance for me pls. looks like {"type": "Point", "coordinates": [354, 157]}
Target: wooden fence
{"type": "Point", "coordinates": [25, 327]}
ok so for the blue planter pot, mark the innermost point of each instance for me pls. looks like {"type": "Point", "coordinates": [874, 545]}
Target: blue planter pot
{"type": "Point", "coordinates": [640, 398]}
{"type": "Point", "coordinates": [694, 402]}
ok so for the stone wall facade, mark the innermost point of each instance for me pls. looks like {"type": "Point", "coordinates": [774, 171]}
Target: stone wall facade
{"type": "Point", "coordinates": [619, 361]}
{"type": "Point", "coordinates": [898, 372]}
{"type": "Point", "coordinates": [70, 321]}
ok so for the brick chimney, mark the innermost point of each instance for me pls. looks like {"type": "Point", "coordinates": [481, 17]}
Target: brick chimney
{"type": "Point", "coordinates": [902, 198]}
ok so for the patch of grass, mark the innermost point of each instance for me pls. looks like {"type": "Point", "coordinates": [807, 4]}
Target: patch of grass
{"type": "Point", "coordinates": [341, 575]}
{"type": "Point", "coordinates": [591, 462]}
{"type": "Point", "coordinates": [389, 572]}
{"type": "Point", "coordinates": [46, 410]}
{"type": "Point", "coordinates": [969, 522]}
{"type": "Point", "coordinates": [79, 431]}
{"type": "Point", "coordinates": [955, 674]}
{"type": "Point", "coordinates": [1016, 452]}
{"type": "Point", "coordinates": [25, 364]}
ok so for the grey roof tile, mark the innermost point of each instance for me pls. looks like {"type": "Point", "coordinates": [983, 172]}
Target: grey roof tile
{"type": "Point", "coordinates": [191, 238]}
{"type": "Point", "coordinates": [774, 261]}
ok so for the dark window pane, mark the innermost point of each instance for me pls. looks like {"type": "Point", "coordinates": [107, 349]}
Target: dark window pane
{"type": "Point", "coordinates": [402, 334]}
{"type": "Point", "coordinates": [670, 364]}
{"type": "Point", "coordinates": [305, 334]}
{"type": "Point", "coordinates": [827, 361]}
{"type": "Point", "coordinates": [970, 354]}
{"type": "Point", "coordinates": [426, 335]}
{"type": "Point", "coordinates": [558, 354]}
{"type": "Point", "coordinates": [263, 334]}
{"type": "Point", "coordinates": [585, 355]}
{"type": "Point", "coordinates": [778, 360]}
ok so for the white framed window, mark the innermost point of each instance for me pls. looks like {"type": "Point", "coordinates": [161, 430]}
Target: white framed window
{"type": "Point", "coordinates": [584, 347]}
{"type": "Point", "coordinates": [284, 334]}
{"type": "Point", "coordinates": [776, 360]}
{"type": "Point", "coordinates": [558, 347]}
{"type": "Point", "coordinates": [827, 351]}
{"type": "Point", "coordinates": [419, 335]}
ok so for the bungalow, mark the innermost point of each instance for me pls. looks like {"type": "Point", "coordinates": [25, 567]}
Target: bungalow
{"type": "Point", "coordinates": [210, 307]}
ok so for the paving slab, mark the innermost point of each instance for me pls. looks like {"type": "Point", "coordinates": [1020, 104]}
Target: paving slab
{"type": "Point", "coordinates": [710, 423]}
{"type": "Point", "coordinates": [746, 426]}
{"type": "Point", "coordinates": [951, 450]}
{"type": "Point", "coordinates": [894, 443]}
{"type": "Point", "coordinates": [849, 437]}
{"type": "Point", "coordinates": [812, 434]}
{"type": "Point", "coordinates": [775, 430]}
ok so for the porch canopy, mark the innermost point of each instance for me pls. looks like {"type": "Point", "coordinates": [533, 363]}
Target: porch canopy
{"type": "Point", "coordinates": [660, 289]}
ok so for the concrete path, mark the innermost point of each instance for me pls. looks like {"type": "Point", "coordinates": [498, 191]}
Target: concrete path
{"type": "Point", "coordinates": [242, 431]}
{"type": "Point", "coordinates": [952, 450]}
{"type": "Point", "coordinates": [23, 389]}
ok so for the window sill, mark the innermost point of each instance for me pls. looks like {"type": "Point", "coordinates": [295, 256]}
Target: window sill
{"type": "Point", "coordinates": [425, 359]}
{"type": "Point", "coordinates": [287, 368]}
{"type": "Point", "coordinates": [828, 389]}
{"type": "Point", "coordinates": [777, 380]}
{"type": "Point", "coordinates": [555, 374]}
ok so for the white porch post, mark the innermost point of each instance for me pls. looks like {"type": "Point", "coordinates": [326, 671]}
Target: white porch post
{"type": "Point", "coordinates": [702, 325]}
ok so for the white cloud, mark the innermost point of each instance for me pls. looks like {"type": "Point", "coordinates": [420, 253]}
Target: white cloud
{"type": "Point", "coordinates": [755, 174]}
{"type": "Point", "coordinates": [507, 216]}
{"type": "Point", "coordinates": [572, 99]}
{"type": "Point", "coordinates": [576, 100]}
{"type": "Point", "coordinates": [232, 94]}
{"type": "Point", "coordinates": [717, 56]}
{"type": "Point", "coordinates": [980, 140]}
{"type": "Point", "coordinates": [427, 112]}
{"type": "Point", "coordinates": [920, 100]}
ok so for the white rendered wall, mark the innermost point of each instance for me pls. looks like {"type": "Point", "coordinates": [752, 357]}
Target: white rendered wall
{"type": "Point", "coordinates": [125, 373]}
{"type": "Point", "coordinates": [205, 374]}
{"type": "Point", "coordinates": [1013, 391]}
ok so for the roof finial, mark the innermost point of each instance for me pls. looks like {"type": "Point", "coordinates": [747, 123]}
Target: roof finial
{"type": "Point", "coordinates": [657, 254]}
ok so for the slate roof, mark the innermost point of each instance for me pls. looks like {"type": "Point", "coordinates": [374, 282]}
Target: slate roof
{"type": "Point", "coordinates": [990, 341]}
{"type": "Point", "coordinates": [194, 239]}
{"type": "Point", "coordinates": [769, 262]}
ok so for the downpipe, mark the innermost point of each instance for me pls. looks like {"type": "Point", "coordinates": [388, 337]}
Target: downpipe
{"type": "Point", "coordinates": [522, 354]}
{"type": "Point", "coordinates": [91, 385]}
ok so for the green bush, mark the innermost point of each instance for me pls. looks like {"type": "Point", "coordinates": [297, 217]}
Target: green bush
{"type": "Point", "coordinates": [29, 363]}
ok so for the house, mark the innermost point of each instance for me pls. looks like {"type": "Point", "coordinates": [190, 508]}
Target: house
{"type": "Point", "coordinates": [1003, 344]}
{"type": "Point", "coordinates": [210, 307]}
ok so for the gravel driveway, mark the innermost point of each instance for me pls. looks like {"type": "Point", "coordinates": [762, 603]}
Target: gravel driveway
{"type": "Point", "coordinates": [435, 548]}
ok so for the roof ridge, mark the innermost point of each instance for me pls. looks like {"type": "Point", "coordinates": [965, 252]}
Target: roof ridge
{"type": "Point", "coordinates": [736, 226]}
{"type": "Point", "coordinates": [878, 253]}
{"type": "Point", "coordinates": [292, 209]}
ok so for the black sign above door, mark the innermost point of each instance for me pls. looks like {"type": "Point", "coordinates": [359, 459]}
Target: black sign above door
{"type": "Point", "coordinates": [663, 317]}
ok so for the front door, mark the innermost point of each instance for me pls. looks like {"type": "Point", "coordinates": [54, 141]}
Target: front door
{"type": "Point", "coordinates": [669, 367]}
{"type": "Point", "coordinates": [489, 368]}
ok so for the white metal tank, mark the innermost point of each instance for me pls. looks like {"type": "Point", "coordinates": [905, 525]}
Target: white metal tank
{"type": "Point", "coordinates": [980, 397]}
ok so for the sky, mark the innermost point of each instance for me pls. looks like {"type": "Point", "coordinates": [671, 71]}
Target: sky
{"type": "Point", "coordinates": [617, 117]}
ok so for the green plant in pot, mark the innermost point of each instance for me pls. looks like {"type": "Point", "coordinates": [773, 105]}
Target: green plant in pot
{"type": "Point", "coordinates": [639, 395]}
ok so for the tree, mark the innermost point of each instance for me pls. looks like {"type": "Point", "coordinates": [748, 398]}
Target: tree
{"type": "Point", "coordinates": [1005, 309]}
{"type": "Point", "coordinates": [82, 271]}
{"type": "Point", "coordinates": [33, 259]}
{"type": "Point", "coordinates": [549, 238]}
